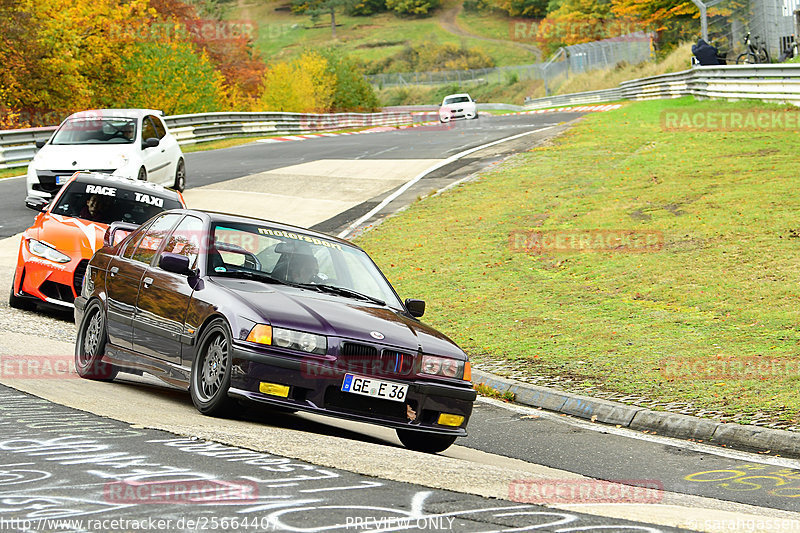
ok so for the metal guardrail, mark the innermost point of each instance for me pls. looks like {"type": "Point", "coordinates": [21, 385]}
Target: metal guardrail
{"type": "Point", "coordinates": [771, 83]}
{"type": "Point", "coordinates": [17, 147]}
{"type": "Point", "coordinates": [589, 97]}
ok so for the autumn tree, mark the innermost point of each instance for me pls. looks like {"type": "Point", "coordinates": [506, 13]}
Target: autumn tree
{"type": "Point", "coordinates": [305, 85]}
{"type": "Point", "coordinates": [228, 44]}
{"type": "Point", "coordinates": [672, 19]}
{"type": "Point", "coordinates": [171, 76]}
{"type": "Point", "coordinates": [66, 53]}
{"type": "Point", "coordinates": [582, 21]}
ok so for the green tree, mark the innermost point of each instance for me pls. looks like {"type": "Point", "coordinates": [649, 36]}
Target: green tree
{"type": "Point", "coordinates": [318, 8]}
{"type": "Point", "coordinates": [523, 8]}
{"type": "Point", "coordinates": [172, 77]}
{"type": "Point", "coordinates": [412, 7]}
{"type": "Point", "coordinates": [364, 8]}
{"type": "Point", "coordinates": [352, 90]}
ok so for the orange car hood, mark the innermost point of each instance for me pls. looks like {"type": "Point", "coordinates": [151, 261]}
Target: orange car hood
{"type": "Point", "coordinates": [71, 235]}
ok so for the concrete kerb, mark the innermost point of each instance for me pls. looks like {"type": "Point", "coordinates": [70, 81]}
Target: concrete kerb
{"type": "Point", "coordinates": [776, 441]}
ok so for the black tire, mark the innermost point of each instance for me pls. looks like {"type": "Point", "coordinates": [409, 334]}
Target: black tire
{"type": "Point", "coordinates": [90, 346]}
{"type": "Point", "coordinates": [180, 176]}
{"type": "Point", "coordinates": [211, 371]}
{"type": "Point", "coordinates": [425, 442]}
{"type": "Point", "coordinates": [744, 59]}
{"type": "Point", "coordinates": [763, 56]}
{"type": "Point", "coordinates": [142, 174]}
{"type": "Point", "coordinates": [19, 302]}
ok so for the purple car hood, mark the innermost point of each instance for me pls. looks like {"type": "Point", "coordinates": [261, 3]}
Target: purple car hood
{"type": "Point", "coordinates": [336, 316]}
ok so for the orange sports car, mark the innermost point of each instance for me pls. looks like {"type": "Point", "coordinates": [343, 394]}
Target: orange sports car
{"type": "Point", "coordinates": [54, 252]}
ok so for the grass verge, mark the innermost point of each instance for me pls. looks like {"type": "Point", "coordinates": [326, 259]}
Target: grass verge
{"type": "Point", "coordinates": [11, 172]}
{"type": "Point", "coordinates": [670, 324]}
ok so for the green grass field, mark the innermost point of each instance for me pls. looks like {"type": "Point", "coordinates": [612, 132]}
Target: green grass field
{"type": "Point", "coordinates": [283, 35]}
{"type": "Point", "coordinates": [724, 287]}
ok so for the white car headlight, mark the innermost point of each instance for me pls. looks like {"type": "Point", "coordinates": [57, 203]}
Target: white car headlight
{"type": "Point", "coordinates": [442, 366]}
{"type": "Point", "coordinates": [46, 251]}
{"type": "Point", "coordinates": [288, 338]}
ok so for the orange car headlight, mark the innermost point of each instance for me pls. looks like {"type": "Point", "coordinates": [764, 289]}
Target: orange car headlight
{"type": "Point", "coordinates": [45, 251]}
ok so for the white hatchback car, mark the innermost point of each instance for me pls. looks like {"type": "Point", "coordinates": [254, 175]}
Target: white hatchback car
{"type": "Point", "coordinates": [130, 143]}
{"type": "Point", "coordinates": [455, 106]}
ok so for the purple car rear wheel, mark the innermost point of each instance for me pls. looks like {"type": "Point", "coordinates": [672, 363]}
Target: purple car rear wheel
{"type": "Point", "coordinates": [91, 346]}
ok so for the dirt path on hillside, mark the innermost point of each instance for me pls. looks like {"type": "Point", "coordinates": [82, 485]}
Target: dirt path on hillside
{"type": "Point", "coordinates": [448, 20]}
{"type": "Point", "coordinates": [243, 7]}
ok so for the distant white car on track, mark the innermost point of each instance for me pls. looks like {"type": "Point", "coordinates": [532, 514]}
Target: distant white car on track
{"type": "Point", "coordinates": [455, 106]}
{"type": "Point", "coordinates": [130, 143]}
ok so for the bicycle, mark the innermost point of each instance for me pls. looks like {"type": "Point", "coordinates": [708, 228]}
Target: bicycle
{"type": "Point", "coordinates": [756, 52]}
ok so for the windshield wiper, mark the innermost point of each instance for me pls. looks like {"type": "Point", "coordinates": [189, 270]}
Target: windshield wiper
{"type": "Point", "coordinates": [342, 291]}
{"type": "Point", "coordinates": [255, 276]}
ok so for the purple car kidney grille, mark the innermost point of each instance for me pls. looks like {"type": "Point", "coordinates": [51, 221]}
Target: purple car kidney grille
{"type": "Point", "coordinates": [367, 359]}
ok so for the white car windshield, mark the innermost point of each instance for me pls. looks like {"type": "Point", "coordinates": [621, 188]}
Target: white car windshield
{"type": "Point", "coordinates": [96, 130]}
{"type": "Point", "coordinates": [456, 100]}
{"type": "Point", "coordinates": [297, 259]}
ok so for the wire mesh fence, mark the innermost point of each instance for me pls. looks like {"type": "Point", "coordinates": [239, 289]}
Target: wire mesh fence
{"type": "Point", "coordinates": [769, 23]}
{"type": "Point", "coordinates": [633, 49]}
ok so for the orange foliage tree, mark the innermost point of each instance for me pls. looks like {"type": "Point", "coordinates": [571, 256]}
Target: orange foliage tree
{"type": "Point", "coordinates": [228, 44]}
{"type": "Point", "coordinates": [673, 20]}
{"type": "Point", "coordinates": [67, 53]}
{"type": "Point", "coordinates": [583, 21]}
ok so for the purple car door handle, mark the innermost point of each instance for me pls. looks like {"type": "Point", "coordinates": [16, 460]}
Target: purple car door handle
{"type": "Point", "coordinates": [114, 270]}
{"type": "Point", "coordinates": [147, 282]}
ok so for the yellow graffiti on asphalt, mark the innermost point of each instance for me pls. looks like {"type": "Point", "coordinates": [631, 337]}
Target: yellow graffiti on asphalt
{"type": "Point", "coordinates": [783, 482]}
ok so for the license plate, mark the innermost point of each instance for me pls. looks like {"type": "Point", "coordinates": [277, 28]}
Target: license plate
{"type": "Point", "coordinates": [61, 180]}
{"type": "Point", "coordinates": [375, 388]}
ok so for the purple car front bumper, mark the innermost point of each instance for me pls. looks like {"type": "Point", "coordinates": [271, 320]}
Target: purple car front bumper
{"type": "Point", "coordinates": [317, 387]}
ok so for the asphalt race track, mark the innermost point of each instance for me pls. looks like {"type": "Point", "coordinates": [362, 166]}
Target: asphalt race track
{"type": "Point", "coordinates": [77, 450]}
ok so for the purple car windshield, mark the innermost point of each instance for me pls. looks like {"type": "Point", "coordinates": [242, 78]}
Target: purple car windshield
{"type": "Point", "coordinates": [298, 259]}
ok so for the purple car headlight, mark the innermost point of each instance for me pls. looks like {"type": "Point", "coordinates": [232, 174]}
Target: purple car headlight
{"type": "Point", "coordinates": [288, 338]}
{"type": "Point", "coordinates": [443, 366]}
